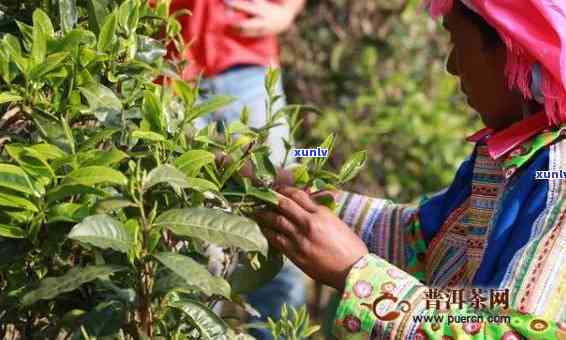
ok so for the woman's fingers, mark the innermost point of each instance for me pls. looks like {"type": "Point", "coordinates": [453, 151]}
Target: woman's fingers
{"type": "Point", "coordinates": [293, 211]}
{"type": "Point", "coordinates": [279, 242]}
{"type": "Point", "coordinates": [278, 222]}
{"type": "Point", "coordinates": [299, 197]}
{"type": "Point", "coordinates": [280, 232]}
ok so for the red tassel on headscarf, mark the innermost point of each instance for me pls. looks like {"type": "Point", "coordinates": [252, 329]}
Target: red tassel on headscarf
{"type": "Point", "coordinates": [540, 40]}
{"type": "Point", "coordinates": [519, 75]}
{"type": "Point", "coordinates": [518, 70]}
{"type": "Point", "coordinates": [554, 99]}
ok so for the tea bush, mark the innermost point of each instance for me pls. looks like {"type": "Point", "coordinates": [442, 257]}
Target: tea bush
{"type": "Point", "coordinates": [109, 196]}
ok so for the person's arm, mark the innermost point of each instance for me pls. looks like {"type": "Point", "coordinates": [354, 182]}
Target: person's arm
{"type": "Point", "coordinates": [268, 17]}
{"type": "Point", "coordinates": [400, 233]}
{"type": "Point", "coordinates": [378, 298]}
{"type": "Point", "coordinates": [391, 231]}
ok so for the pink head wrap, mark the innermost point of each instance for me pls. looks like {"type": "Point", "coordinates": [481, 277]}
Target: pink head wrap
{"type": "Point", "coordinates": [534, 32]}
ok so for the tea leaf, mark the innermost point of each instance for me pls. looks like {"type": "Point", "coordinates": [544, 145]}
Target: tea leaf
{"type": "Point", "coordinates": [105, 320]}
{"type": "Point", "coordinates": [107, 33]}
{"type": "Point", "coordinates": [300, 173]}
{"type": "Point", "coordinates": [51, 287]}
{"type": "Point", "coordinates": [327, 144]}
{"type": "Point", "coordinates": [32, 161]}
{"type": "Point", "coordinates": [13, 201]}
{"type": "Point", "coordinates": [52, 62]}
{"type": "Point", "coordinates": [192, 161]}
{"type": "Point", "coordinates": [100, 136]}
{"type": "Point", "coordinates": [63, 191]}
{"type": "Point", "coordinates": [210, 106]}
{"type": "Point", "coordinates": [68, 14]}
{"type": "Point", "coordinates": [194, 273]}
{"type": "Point", "coordinates": [215, 226]}
{"type": "Point", "coordinates": [41, 19]}
{"type": "Point", "coordinates": [48, 151]}
{"type": "Point", "coordinates": [92, 175]}
{"type": "Point", "coordinates": [209, 325]}
{"type": "Point", "coordinates": [271, 80]}
{"type": "Point", "coordinates": [9, 231]}
{"type": "Point", "coordinates": [41, 31]}
{"type": "Point", "coordinates": [153, 111]}
{"type": "Point", "coordinates": [351, 168]}
{"type": "Point", "coordinates": [103, 158]}
{"type": "Point", "coordinates": [71, 40]}
{"type": "Point", "coordinates": [188, 94]}
{"type": "Point", "coordinates": [111, 204]}
{"type": "Point", "coordinates": [13, 177]}
{"type": "Point", "coordinates": [149, 49]}
{"type": "Point", "coordinates": [103, 103]}
{"type": "Point", "coordinates": [102, 231]}
{"type": "Point", "coordinates": [26, 32]}
{"type": "Point", "coordinates": [263, 167]}
{"type": "Point", "coordinates": [172, 281]}
{"type": "Point", "coordinates": [169, 174]}
{"type": "Point", "coordinates": [12, 45]}
{"type": "Point", "coordinates": [245, 279]}
{"type": "Point", "coordinates": [7, 97]}
{"type": "Point", "coordinates": [97, 12]}
{"type": "Point", "coordinates": [67, 212]}
{"type": "Point", "coordinates": [165, 174]}
{"type": "Point", "coordinates": [266, 195]}
{"type": "Point", "coordinates": [200, 184]}
{"type": "Point", "coordinates": [149, 135]}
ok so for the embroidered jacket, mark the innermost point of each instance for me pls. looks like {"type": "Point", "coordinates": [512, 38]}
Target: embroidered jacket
{"type": "Point", "coordinates": [492, 244]}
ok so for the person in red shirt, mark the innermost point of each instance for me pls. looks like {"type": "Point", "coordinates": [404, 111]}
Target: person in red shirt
{"type": "Point", "coordinates": [231, 43]}
{"type": "Point", "coordinates": [223, 34]}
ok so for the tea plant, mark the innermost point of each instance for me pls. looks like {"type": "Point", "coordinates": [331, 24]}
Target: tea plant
{"type": "Point", "coordinates": [109, 196]}
{"type": "Point", "coordinates": [291, 326]}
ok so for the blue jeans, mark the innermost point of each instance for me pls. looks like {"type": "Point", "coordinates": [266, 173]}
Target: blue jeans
{"type": "Point", "coordinates": [246, 84]}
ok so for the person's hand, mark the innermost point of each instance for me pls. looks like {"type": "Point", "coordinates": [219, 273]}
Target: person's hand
{"type": "Point", "coordinates": [315, 239]}
{"type": "Point", "coordinates": [268, 18]}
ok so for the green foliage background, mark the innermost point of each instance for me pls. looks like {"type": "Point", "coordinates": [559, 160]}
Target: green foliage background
{"type": "Point", "coordinates": [377, 71]}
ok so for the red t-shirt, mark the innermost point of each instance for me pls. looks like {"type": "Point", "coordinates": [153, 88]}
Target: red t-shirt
{"type": "Point", "coordinates": [214, 47]}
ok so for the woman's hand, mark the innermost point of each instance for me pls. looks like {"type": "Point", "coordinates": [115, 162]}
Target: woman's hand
{"type": "Point", "coordinates": [313, 237]}
{"type": "Point", "coordinates": [268, 18]}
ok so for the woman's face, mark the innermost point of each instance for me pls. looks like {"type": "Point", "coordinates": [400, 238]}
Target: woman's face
{"type": "Point", "coordinates": [480, 67]}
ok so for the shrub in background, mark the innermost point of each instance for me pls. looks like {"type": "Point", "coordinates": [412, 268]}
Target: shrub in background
{"type": "Point", "coordinates": [376, 70]}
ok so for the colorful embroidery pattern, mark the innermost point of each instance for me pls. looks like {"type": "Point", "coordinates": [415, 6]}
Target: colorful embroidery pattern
{"type": "Point", "coordinates": [524, 152]}
{"type": "Point", "coordinates": [395, 234]}
{"type": "Point", "coordinates": [464, 234]}
{"type": "Point", "coordinates": [536, 277]}
{"type": "Point", "coordinates": [374, 290]}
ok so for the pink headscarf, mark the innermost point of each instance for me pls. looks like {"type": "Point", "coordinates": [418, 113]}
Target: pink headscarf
{"type": "Point", "coordinates": [534, 32]}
